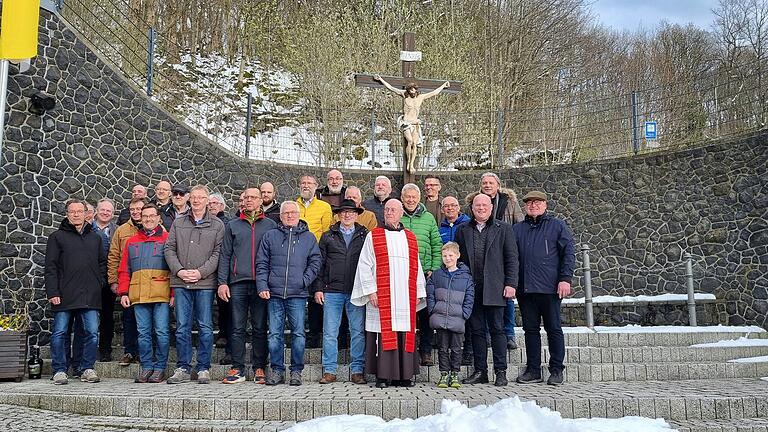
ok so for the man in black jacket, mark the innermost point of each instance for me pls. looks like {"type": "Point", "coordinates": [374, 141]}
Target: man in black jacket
{"type": "Point", "coordinates": [237, 285]}
{"type": "Point", "coordinates": [489, 248]}
{"type": "Point", "coordinates": [75, 263]}
{"type": "Point", "coordinates": [268, 202]}
{"type": "Point", "coordinates": [547, 262]}
{"type": "Point", "coordinates": [340, 248]}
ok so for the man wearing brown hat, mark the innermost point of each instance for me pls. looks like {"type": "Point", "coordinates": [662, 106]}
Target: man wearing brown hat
{"type": "Point", "coordinates": [340, 248]}
{"type": "Point", "coordinates": [547, 261]}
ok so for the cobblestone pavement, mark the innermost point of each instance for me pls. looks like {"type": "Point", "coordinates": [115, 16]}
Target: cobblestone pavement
{"type": "Point", "coordinates": [15, 418]}
{"type": "Point", "coordinates": [737, 398]}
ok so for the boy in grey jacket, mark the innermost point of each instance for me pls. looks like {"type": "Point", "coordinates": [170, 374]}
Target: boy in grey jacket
{"type": "Point", "coordinates": [450, 296]}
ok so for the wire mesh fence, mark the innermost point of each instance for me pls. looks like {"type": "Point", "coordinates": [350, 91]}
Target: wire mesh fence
{"type": "Point", "coordinates": [568, 125]}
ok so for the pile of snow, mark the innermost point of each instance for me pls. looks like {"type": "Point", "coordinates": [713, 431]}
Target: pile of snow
{"type": "Point", "coordinates": [760, 359]}
{"type": "Point", "coordinates": [672, 329]}
{"type": "Point", "coordinates": [764, 378]}
{"type": "Point", "coordinates": [641, 298]}
{"type": "Point", "coordinates": [740, 342]}
{"type": "Point", "coordinates": [508, 415]}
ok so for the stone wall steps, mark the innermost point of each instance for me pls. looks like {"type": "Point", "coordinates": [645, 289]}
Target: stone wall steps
{"type": "Point", "coordinates": [721, 425]}
{"type": "Point", "coordinates": [580, 372]}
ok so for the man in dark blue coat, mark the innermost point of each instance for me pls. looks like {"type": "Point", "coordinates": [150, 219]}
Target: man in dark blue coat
{"type": "Point", "coordinates": [488, 247]}
{"type": "Point", "coordinates": [547, 261]}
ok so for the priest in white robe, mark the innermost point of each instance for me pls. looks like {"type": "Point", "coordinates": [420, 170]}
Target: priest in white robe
{"type": "Point", "coordinates": [390, 283]}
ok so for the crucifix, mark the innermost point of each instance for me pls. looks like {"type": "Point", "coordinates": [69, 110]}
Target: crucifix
{"type": "Point", "coordinates": [408, 87]}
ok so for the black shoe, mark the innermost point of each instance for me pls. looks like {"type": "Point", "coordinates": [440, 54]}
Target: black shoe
{"type": "Point", "coordinates": [404, 383]}
{"type": "Point", "coordinates": [221, 342]}
{"type": "Point", "coordinates": [555, 378]}
{"type": "Point", "coordinates": [382, 383]}
{"type": "Point", "coordinates": [467, 359]}
{"type": "Point", "coordinates": [501, 378]}
{"type": "Point", "coordinates": [477, 377]}
{"type": "Point", "coordinates": [105, 357]}
{"type": "Point", "coordinates": [511, 344]}
{"type": "Point", "coordinates": [529, 377]}
{"type": "Point", "coordinates": [226, 360]}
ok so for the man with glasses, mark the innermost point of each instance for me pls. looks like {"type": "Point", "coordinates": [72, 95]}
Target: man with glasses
{"type": "Point", "coordinates": [453, 219]}
{"type": "Point", "coordinates": [432, 189]}
{"type": "Point", "coordinates": [163, 201]}
{"type": "Point", "coordinates": [547, 263]}
{"type": "Point", "coordinates": [106, 228]}
{"type": "Point", "coordinates": [137, 191]}
{"type": "Point", "coordinates": [287, 264]}
{"type": "Point", "coordinates": [237, 287]}
{"type": "Point", "coordinates": [340, 248]}
{"type": "Point", "coordinates": [145, 286]}
{"type": "Point", "coordinates": [74, 276]}
{"type": "Point", "coordinates": [192, 254]}
{"type": "Point", "coordinates": [333, 192]}
{"type": "Point", "coordinates": [123, 233]}
{"type": "Point", "coordinates": [179, 205]}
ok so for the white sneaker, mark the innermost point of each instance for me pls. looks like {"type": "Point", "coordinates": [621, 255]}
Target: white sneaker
{"type": "Point", "coordinates": [180, 375]}
{"type": "Point", "coordinates": [60, 378]}
{"type": "Point", "coordinates": [204, 377]}
{"type": "Point", "coordinates": [89, 376]}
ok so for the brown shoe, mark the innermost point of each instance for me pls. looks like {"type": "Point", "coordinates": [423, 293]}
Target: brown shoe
{"type": "Point", "coordinates": [358, 378]}
{"type": "Point", "coordinates": [426, 359]}
{"type": "Point", "coordinates": [259, 377]}
{"type": "Point", "coordinates": [327, 378]}
{"type": "Point", "coordinates": [126, 359]}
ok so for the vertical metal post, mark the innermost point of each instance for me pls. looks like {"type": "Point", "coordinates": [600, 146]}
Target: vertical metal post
{"type": "Point", "coordinates": [248, 126]}
{"type": "Point", "coordinates": [373, 139]}
{"type": "Point", "coordinates": [499, 137]}
{"type": "Point", "coordinates": [4, 67]}
{"type": "Point", "coordinates": [587, 286]}
{"type": "Point", "coordinates": [150, 60]}
{"type": "Point", "coordinates": [635, 140]}
{"type": "Point", "coordinates": [689, 284]}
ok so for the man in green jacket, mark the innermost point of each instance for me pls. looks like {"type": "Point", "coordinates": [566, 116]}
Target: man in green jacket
{"type": "Point", "coordinates": [417, 219]}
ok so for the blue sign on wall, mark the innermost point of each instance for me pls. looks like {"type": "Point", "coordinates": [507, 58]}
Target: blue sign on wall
{"type": "Point", "coordinates": [650, 130]}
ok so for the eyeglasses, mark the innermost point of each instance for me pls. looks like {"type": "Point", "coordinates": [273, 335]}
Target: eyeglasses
{"type": "Point", "coordinates": [535, 202]}
{"type": "Point", "coordinates": [289, 213]}
{"type": "Point", "coordinates": [450, 205]}
{"type": "Point", "coordinates": [335, 178]}
{"type": "Point", "coordinates": [178, 193]}
{"type": "Point", "coordinates": [75, 212]}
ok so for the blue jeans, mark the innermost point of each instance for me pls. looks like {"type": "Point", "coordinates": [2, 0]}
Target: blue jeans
{"type": "Point", "coordinates": [130, 334]}
{"type": "Point", "coordinates": [90, 326]}
{"type": "Point", "coordinates": [335, 304]}
{"type": "Point", "coordinates": [152, 324]}
{"type": "Point", "coordinates": [194, 304]}
{"type": "Point", "coordinates": [294, 309]}
{"type": "Point", "coordinates": [245, 299]}
{"type": "Point", "coordinates": [509, 318]}
{"type": "Point", "coordinates": [74, 345]}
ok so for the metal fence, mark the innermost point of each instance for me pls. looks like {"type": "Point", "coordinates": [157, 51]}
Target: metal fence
{"type": "Point", "coordinates": [721, 103]}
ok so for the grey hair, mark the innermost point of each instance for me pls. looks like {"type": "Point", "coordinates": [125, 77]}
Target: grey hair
{"type": "Point", "coordinates": [490, 174]}
{"type": "Point", "coordinates": [349, 188]}
{"type": "Point", "coordinates": [381, 177]}
{"type": "Point", "coordinates": [107, 200]}
{"type": "Point", "coordinates": [410, 186]}
{"type": "Point", "coordinates": [219, 197]}
{"type": "Point", "coordinates": [293, 203]}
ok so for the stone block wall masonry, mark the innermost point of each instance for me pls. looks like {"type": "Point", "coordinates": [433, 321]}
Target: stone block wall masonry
{"type": "Point", "coordinates": [638, 215]}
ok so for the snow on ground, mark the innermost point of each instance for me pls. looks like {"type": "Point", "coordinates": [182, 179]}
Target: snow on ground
{"type": "Point", "coordinates": [641, 298]}
{"type": "Point", "coordinates": [760, 359]}
{"type": "Point", "coordinates": [508, 415]}
{"type": "Point", "coordinates": [667, 329]}
{"type": "Point", "coordinates": [740, 342]}
{"type": "Point", "coordinates": [764, 378]}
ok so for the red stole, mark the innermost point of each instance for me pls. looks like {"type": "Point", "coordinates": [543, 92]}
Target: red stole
{"type": "Point", "coordinates": [389, 337]}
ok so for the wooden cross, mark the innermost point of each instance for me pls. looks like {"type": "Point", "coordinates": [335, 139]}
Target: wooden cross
{"type": "Point", "coordinates": [408, 56]}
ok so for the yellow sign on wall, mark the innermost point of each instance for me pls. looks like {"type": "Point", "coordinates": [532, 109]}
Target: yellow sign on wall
{"type": "Point", "coordinates": [18, 30]}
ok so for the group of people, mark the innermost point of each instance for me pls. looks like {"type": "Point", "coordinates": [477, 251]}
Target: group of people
{"type": "Point", "coordinates": [397, 274]}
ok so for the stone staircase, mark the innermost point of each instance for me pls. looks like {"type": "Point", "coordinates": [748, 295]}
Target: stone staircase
{"type": "Point", "coordinates": [608, 374]}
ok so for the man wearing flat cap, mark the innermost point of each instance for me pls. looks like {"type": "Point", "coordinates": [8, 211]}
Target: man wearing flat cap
{"type": "Point", "coordinates": [340, 248]}
{"type": "Point", "coordinates": [547, 261]}
{"type": "Point", "coordinates": [179, 205]}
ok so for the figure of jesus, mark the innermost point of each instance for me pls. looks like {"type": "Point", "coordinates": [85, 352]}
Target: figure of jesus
{"type": "Point", "coordinates": [409, 123]}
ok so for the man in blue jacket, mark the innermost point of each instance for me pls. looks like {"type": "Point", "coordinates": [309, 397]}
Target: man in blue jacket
{"type": "Point", "coordinates": [547, 261]}
{"type": "Point", "coordinates": [287, 263]}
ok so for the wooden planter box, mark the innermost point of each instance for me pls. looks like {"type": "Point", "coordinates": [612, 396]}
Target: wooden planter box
{"type": "Point", "coordinates": [13, 354]}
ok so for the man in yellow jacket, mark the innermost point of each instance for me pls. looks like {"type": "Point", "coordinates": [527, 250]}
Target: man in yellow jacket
{"type": "Point", "coordinates": [319, 217]}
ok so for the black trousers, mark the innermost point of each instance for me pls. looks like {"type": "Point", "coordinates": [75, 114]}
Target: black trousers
{"type": "Point", "coordinates": [425, 331]}
{"type": "Point", "coordinates": [534, 309]}
{"type": "Point", "coordinates": [449, 350]}
{"type": "Point", "coordinates": [106, 320]}
{"type": "Point", "coordinates": [224, 322]}
{"type": "Point", "coordinates": [490, 318]}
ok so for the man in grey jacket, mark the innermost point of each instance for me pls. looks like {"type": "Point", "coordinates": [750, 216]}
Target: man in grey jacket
{"type": "Point", "coordinates": [192, 254]}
